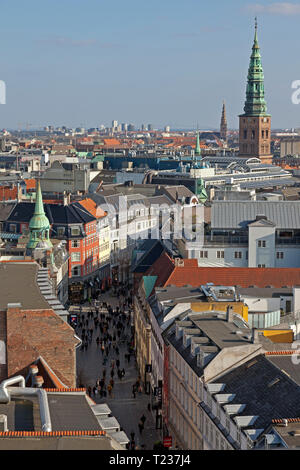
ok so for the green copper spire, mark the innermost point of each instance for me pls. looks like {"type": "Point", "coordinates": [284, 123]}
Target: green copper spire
{"type": "Point", "coordinates": [255, 104]}
{"type": "Point", "coordinates": [201, 191]}
{"type": "Point", "coordinates": [198, 148]}
{"type": "Point", "coordinates": [39, 225]}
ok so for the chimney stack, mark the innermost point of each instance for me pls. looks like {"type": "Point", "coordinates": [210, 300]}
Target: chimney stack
{"type": "Point", "coordinates": [229, 314]}
{"type": "Point", "coordinates": [255, 336]}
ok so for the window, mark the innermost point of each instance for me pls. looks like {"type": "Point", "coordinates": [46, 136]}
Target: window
{"type": "Point", "coordinates": [261, 266]}
{"type": "Point", "coordinates": [263, 134]}
{"type": "Point", "coordinates": [203, 254]}
{"type": "Point", "coordinates": [76, 271]}
{"type": "Point", "coordinates": [75, 231]}
{"type": "Point", "coordinates": [75, 257]}
{"type": "Point", "coordinates": [220, 254]}
{"type": "Point", "coordinates": [75, 243]}
{"type": "Point", "coordinates": [13, 228]}
{"type": "Point", "coordinates": [238, 254]}
{"type": "Point", "coordinates": [60, 231]}
{"type": "Point", "coordinates": [279, 255]}
{"type": "Point", "coordinates": [252, 135]}
{"type": "Point", "coordinates": [261, 243]}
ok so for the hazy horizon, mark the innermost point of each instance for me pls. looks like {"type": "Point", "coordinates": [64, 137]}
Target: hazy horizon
{"type": "Point", "coordinates": [83, 64]}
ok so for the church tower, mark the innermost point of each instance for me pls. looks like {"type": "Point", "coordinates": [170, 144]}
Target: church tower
{"type": "Point", "coordinates": [255, 123]}
{"type": "Point", "coordinates": [223, 126]}
{"type": "Point", "coordinates": [39, 226]}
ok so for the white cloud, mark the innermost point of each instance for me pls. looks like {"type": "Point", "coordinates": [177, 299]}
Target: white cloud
{"type": "Point", "coordinates": [281, 8]}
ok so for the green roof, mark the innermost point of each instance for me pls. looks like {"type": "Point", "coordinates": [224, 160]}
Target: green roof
{"type": "Point", "coordinates": [149, 283]}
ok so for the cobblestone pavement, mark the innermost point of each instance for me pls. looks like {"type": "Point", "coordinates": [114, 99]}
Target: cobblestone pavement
{"type": "Point", "coordinates": [126, 409]}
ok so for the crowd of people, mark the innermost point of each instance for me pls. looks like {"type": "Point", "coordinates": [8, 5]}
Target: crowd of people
{"type": "Point", "coordinates": [110, 329]}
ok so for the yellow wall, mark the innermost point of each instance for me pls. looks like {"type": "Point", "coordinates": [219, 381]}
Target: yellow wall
{"type": "Point", "coordinates": [279, 336]}
{"type": "Point", "coordinates": [238, 307]}
{"type": "Point", "coordinates": [104, 245]}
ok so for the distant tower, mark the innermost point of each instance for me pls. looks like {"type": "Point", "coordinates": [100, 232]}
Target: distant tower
{"type": "Point", "coordinates": [198, 148]}
{"type": "Point", "coordinates": [223, 126]}
{"type": "Point", "coordinates": [255, 123]}
{"type": "Point", "coordinates": [39, 225]}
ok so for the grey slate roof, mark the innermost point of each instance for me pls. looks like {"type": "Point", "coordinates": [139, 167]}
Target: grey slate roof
{"type": "Point", "coordinates": [256, 385]}
{"type": "Point", "coordinates": [237, 215]}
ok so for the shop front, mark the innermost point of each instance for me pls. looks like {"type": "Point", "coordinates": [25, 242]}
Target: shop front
{"type": "Point", "coordinates": [76, 293]}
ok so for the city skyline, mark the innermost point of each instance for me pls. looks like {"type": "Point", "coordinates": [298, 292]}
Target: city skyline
{"type": "Point", "coordinates": [144, 63]}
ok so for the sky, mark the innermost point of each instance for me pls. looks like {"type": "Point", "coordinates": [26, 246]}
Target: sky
{"type": "Point", "coordinates": [164, 62]}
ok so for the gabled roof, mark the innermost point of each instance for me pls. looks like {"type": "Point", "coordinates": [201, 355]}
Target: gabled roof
{"type": "Point", "coordinates": [92, 207]}
{"type": "Point", "coordinates": [56, 213]}
{"type": "Point", "coordinates": [162, 268]}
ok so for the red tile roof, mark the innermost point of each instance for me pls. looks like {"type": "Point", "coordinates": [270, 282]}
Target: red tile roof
{"type": "Point", "coordinates": [244, 277]}
{"type": "Point", "coordinates": [30, 184]}
{"type": "Point", "coordinates": [169, 273]}
{"type": "Point", "coordinates": [92, 207]}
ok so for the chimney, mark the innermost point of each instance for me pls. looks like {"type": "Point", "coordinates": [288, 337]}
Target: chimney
{"type": "Point", "coordinates": [66, 198]}
{"type": "Point", "coordinates": [38, 381]}
{"type": "Point", "coordinates": [229, 314]}
{"type": "Point", "coordinates": [255, 336]}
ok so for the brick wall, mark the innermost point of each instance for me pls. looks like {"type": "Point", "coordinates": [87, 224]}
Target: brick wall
{"type": "Point", "coordinates": [34, 333]}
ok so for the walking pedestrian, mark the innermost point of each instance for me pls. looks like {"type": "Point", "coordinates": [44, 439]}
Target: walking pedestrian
{"type": "Point", "coordinates": [141, 427]}
{"type": "Point", "coordinates": [143, 419]}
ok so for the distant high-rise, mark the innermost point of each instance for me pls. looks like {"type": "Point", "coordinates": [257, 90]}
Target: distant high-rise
{"type": "Point", "coordinates": [223, 126]}
{"type": "Point", "coordinates": [255, 123]}
{"type": "Point", "coordinates": [150, 127]}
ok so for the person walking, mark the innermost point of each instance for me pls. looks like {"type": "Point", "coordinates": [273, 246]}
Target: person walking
{"type": "Point", "coordinates": [143, 419]}
{"type": "Point", "coordinates": [141, 427]}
